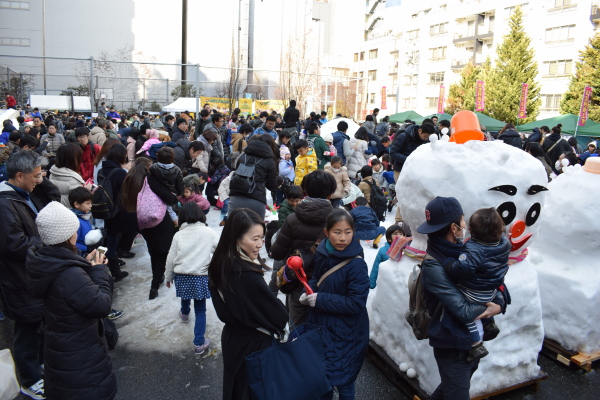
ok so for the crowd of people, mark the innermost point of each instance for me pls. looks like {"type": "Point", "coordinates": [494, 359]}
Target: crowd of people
{"type": "Point", "coordinates": [75, 192]}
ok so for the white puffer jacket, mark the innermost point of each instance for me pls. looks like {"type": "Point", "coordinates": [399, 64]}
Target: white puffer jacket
{"type": "Point", "coordinates": [188, 255]}
{"type": "Point", "coordinates": [65, 179]}
{"type": "Point", "coordinates": [359, 159]}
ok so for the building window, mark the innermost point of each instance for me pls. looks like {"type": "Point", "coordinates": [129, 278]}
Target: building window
{"type": "Point", "coordinates": [15, 5]}
{"type": "Point", "coordinates": [432, 102]}
{"type": "Point", "coordinates": [15, 42]}
{"type": "Point", "coordinates": [410, 80]}
{"type": "Point", "coordinates": [558, 68]}
{"type": "Point", "coordinates": [373, 74]}
{"type": "Point", "coordinates": [443, 7]}
{"type": "Point", "coordinates": [413, 35]}
{"type": "Point", "coordinates": [373, 54]}
{"type": "Point", "coordinates": [412, 57]}
{"type": "Point", "coordinates": [361, 74]}
{"type": "Point", "coordinates": [355, 57]}
{"type": "Point", "coordinates": [372, 98]}
{"type": "Point", "coordinates": [409, 103]}
{"type": "Point", "coordinates": [551, 102]}
{"type": "Point", "coordinates": [511, 10]}
{"type": "Point", "coordinates": [563, 3]}
{"type": "Point", "coordinates": [560, 34]}
{"type": "Point", "coordinates": [362, 56]}
{"type": "Point", "coordinates": [436, 78]}
{"type": "Point", "coordinates": [438, 53]}
{"type": "Point", "coordinates": [438, 29]}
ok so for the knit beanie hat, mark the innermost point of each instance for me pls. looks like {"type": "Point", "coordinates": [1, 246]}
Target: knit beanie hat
{"type": "Point", "coordinates": [56, 223]}
{"type": "Point", "coordinates": [157, 124]}
{"type": "Point", "coordinates": [180, 121]}
{"type": "Point", "coordinates": [283, 150]}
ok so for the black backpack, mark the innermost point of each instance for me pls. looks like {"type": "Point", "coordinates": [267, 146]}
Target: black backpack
{"type": "Point", "coordinates": [417, 315]}
{"type": "Point", "coordinates": [243, 179]}
{"type": "Point", "coordinates": [378, 202]}
{"type": "Point", "coordinates": [103, 204]}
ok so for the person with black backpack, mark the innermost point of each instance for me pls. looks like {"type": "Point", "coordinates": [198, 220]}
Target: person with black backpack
{"type": "Point", "coordinates": [372, 192]}
{"type": "Point", "coordinates": [445, 227]}
{"type": "Point", "coordinates": [366, 222]}
{"type": "Point", "coordinates": [256, 172]}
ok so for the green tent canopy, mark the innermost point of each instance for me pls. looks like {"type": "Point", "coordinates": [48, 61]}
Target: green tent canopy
{"type": "Point", "coordinates": [441, 116]}
{"type": "Point", "coordinates": [403, 116]}
{"type": "Point", "coordinates": [568, 121]}
{"type": "Point", "coordinates": [491, 124]}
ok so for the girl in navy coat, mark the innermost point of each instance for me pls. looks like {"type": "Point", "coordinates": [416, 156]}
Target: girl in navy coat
{"type": "Point", "coordinates": [339, 303]}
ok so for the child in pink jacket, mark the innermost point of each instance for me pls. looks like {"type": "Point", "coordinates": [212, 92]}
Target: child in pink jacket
{"type": "Point", "coordinates": [190, 195]}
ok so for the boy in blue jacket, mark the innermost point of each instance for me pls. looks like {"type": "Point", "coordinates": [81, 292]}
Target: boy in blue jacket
{"type": "Point", "coordinates": [366, 223]}
{"type": "Point", "coordinates": [80, 200]}
{"type": "Point", "coordinates": [402, 230]}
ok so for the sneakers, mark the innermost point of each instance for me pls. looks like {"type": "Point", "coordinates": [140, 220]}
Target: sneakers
{"type": "Point", "coordinates": [36, 391]}
{"type": "Point", "coordinates": [223, 222]}
{"type": "Point", "coordinates": [125, 254]}
{"type": "Point", "coordinates": [477, 351]}
{"type": "Point", "coordinates": [201, 349]}
{"type": "Point", "coordinates": [184, 318]}
{"type": "Point", "coordinates": [115, 314]}
{"type": "Point", "coordinates": [490, 331]}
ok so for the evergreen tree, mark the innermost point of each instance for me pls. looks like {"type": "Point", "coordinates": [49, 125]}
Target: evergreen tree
{"type": "Point", "coordinates": [586, 74]}
{"type": "Point", "coordinates": [461, 95]}
{"type": "Point", "coordinates": [515, 64]}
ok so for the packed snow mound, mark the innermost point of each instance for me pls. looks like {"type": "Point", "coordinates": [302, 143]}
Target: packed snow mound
{"type": "Point", "coordinates": [478, 174]}
{"type": "Point", "coordinates": [566, 260]}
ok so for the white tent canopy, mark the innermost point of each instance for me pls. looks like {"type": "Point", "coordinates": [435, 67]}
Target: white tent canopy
{"type": "Point", "coordinates": [181, 104]}
{"type": "Point", "coordinates": [53, 102]}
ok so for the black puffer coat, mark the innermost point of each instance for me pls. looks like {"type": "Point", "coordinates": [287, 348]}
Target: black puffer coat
{"type": "Point", "coordinates": [302, 229]}
{"type": "Point", "coordinates": [182, 156]}
{"type": "Point", "coordinates": [76, 296]}
{"type": "Point", "coordinates": [554, 145]}
{"type": "Point", "coordinates": [404, 144]}
{"type": "Point", "coordinates": [265, 173]}
{"type": "Point", "coordinates": [18, 232]}
{"type": "Point", "coordinates": [123, 221]}
{"type": "Point", "coordinates": [511, 137]}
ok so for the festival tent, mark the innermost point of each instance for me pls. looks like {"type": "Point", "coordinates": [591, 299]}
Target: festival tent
{"type": "Point", "coordinates": [585, 134]}
{"type": "Point", "coordinates": [54, 102]}
{"type": "Point", "coordinates": [490, 123]}
{"type": "Point", "coordinates": [440, 116]}
{"type": "Point", "coordinates": [403, 116]}
{"type": "Point", "coordinates": [182, 104]}
{"type": "Point", "coordinates": [331, 126]}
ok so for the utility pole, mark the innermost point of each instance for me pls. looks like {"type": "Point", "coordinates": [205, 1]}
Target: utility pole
{"type": "Point", "coordinates": [184, 11]}
{"type": "Point", "coordinates": [250, 77]}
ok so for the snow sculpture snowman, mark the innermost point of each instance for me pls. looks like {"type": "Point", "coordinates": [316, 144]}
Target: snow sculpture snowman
{"type": "Point", "coordinates": [565, 255]}
{"type": "Point", "coordinates": [479, 174]}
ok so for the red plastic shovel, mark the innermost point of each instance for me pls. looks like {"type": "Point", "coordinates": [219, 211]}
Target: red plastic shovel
{"type": "Point", "coordinates": [295, 263]}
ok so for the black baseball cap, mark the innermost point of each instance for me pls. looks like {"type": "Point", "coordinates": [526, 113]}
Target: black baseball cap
{"type": "Point", "coordinates": [440, 212]}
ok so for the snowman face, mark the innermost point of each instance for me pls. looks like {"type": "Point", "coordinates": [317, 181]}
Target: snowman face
{"type": "Point", "coordinates": [508, 210]}
{"type": "Point", "coordinates": [478, 175]}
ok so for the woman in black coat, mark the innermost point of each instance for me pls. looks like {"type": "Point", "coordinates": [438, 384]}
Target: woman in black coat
{"type": "Point", "coordinates": [260, 152]}
{"type": "Point", "coordinates": [510, 136]}
{"type": "Point", "coordinates": [77, 295]}
{"type": "Point", "coordinates": [242, 299]}
{"type": "Point", "coordinates": [123, 226]}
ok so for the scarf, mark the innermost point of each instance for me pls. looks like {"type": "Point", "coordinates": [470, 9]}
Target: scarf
{"type": "Point", "coordinates": [441, 249]}
{"type": "Point", "coordinates": [82, 215]}
{"type": "Point", "coordinates": [314, 200]}
{"type": "Point", "coordinates": [245, 257]}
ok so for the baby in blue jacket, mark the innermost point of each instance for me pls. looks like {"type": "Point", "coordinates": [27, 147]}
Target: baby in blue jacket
{"type": "Point", "coordinates": [480, 271]}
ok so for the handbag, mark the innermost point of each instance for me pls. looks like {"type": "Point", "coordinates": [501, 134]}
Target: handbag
{"type": "Point", "coordinates": [150, 208]}
{"type": "Point", "coordinates": [9, 386]}
{"type": "Point", "coordinates": [294, 370]}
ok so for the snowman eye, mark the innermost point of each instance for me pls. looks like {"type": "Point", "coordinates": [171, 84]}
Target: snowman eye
{"type": "Point", "coordinates": [508, 212]}
{"type": "Point", "coordinates": [533, 214]}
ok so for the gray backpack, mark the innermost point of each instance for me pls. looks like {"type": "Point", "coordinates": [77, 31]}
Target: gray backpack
{"type": "Point", "coordinates": [417, 315]}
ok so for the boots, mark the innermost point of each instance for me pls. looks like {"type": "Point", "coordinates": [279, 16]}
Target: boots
{"type": "Point", "coordinates": [376, 241]}
{"type": "Point", "coordinates": [115, 269]}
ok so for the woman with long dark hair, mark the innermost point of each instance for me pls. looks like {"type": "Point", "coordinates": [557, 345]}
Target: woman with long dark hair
{"type": "Point", "coordinates": [66, 173]}
{"type": "Point", "coordinates": [242, 299]}
{"type": "Point", "coordinates": [101, 156]}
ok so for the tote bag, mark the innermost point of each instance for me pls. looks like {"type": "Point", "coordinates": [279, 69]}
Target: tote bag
{"type": "Point", "coordinates": [294, 370]}
{"type": "Point", "coordinates": [150, 208]}
{"type": "Point", "coordinates": [9, 386]}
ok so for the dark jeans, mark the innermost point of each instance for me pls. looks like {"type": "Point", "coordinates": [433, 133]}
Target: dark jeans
{"type": "Point", "coordinates": [28, 344]}
{"type": "Point", "coordinates": [279, 197]}
{"type": "Point", "coordinates": [455, 373]}
{"type": "Point", "coordinates": [336, 203]}
{"type": "Point", "coordinates": [158, 262]}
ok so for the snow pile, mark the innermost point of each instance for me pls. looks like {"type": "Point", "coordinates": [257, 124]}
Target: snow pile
{"type": "Point", "coordinates": [566, 260]}
{"type": "Point", "coordinates": [468, 172]}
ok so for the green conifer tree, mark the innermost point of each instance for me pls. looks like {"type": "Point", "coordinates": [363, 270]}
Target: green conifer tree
{"type": "Point", "coordinates": [461, 95]}
{"type": "Point", "coordinates": [587, 73]}
{"type": "Point", "coordinates": [515, 64]}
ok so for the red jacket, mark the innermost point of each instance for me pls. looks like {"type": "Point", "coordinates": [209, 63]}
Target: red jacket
{"type": "Point", "coordinates": [87, 161]}
{"type": "Point", "coordinates": [10, 101]}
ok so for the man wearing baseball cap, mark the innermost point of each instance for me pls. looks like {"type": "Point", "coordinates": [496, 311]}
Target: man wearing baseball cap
{"type": "Point", "coordinates": [445, 228]}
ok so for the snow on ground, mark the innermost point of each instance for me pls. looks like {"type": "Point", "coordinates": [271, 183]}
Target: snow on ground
{"type": "Point", "coordinates": [154, 325]}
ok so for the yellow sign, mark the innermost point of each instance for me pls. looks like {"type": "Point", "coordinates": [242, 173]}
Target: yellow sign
{"type": "Point", "coordinates": [221, 104]}
{"type": "Point", "coordinates": [269, 105]}
{"type": "Point", "coordinates": [245, 106]}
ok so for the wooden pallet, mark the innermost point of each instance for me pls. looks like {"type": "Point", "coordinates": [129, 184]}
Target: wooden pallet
{"type": "Point", "coordinates": [570, 358]}
{"type": "Point", "coordinates": [410, 386]}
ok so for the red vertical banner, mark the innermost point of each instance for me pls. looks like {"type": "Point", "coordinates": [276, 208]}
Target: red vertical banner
{"type": "Point", "coordinates": [523, 102]}
{"type": "Point", "coordinates": [480, 96]}
{"type": "Point", "coordinates": [441, 100]}
{"type": "Point", "coordinates": [585, 106]}
{"type": "Point", "coordinates": [384, 98]}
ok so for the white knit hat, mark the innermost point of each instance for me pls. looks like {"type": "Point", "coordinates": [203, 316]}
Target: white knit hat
{"type": "Point", "coordinates": [56, 223]}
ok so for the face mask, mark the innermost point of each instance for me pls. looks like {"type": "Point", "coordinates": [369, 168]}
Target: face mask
{"type": "Point", "coordinates": [462, 238]}
{"type": "Point", "coordinates": [336, 169]}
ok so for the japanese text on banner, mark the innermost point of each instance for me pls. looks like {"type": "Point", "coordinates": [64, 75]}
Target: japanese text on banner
{"type": "Point", "coordinates": [523, 102]}
{"type": "Point", "coordinates": [441, 100]}
{"type": "Point", "coordinates": [480, 96]}
{"type": "Point", "coordinates": [383, 98]}
{"type": "Point", "coordinates": [585, 105]}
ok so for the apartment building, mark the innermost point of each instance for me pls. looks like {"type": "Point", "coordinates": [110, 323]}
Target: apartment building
{"type": "Point", "coordinates": [409, 50]}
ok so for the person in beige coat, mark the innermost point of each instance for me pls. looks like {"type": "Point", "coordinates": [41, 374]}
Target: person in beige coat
{"type": "Point", "coordinates": [64, 173]}
{"type": "Point", "coordinates": [341, 179]}
{"type": "Point", "coordinates": [97, 134]}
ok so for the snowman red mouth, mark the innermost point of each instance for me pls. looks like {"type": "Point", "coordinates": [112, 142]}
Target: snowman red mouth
{"type": "Point", "coordinates": [515, 232]}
